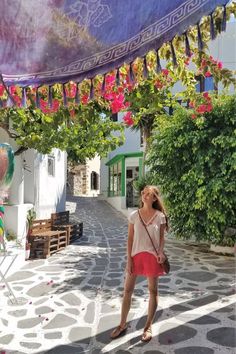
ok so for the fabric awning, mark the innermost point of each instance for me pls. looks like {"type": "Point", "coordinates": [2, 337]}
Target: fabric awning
{"type": "Point", "coordinates": [50, 41]}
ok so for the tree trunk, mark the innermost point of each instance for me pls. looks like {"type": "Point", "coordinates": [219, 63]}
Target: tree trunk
{"type": "Point", "coordinates": [146, 131]}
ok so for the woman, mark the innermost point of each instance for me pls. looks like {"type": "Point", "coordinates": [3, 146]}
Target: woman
{"type": "Point", "coordinates": [142, 258]}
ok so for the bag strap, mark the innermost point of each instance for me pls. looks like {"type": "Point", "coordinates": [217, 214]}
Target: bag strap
{"type": "Point", "coordinates": [141, 219]}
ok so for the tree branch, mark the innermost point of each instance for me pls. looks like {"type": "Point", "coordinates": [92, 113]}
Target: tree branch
{"type": "Point", "coordinates": [20, 150]}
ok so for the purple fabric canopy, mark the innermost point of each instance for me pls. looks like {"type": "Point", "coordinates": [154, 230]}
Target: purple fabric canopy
{"type": "Point", "coordinates": [49, 41]}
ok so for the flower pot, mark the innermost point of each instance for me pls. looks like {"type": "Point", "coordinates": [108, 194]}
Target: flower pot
{"type": "Point", "coordinates": [222, 249]}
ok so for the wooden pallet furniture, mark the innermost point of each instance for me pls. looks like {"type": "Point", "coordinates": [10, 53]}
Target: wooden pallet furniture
{"type": "Point", "coordinates": [61, 221]}
{"type": "Point", "coordinates": [45, 240]}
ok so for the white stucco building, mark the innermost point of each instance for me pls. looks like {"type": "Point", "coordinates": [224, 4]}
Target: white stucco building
{"type": "Point", "coordinates": [39, 181]}
{"type": "Point", "coordinates": [120, 168]}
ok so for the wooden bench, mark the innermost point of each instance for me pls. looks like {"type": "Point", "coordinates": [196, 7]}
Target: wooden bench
{"type": "Point", "coordinates": [44, 240]}
{"type": "Point", "coordinates": [61, 221]}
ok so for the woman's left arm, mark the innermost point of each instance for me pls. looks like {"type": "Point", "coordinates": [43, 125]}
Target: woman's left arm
{"type": "Point", "coordinates": [162, 237]}
{"type": "Point", "coordinates": [162, 243]}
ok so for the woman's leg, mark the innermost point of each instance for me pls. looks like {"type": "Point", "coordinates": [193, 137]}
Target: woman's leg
{"type": "Point", "coordinates": [153, 300]}
{"type": "Point", "coordinates": [128, 291]}
{"type": "Point", "coordinates": [126, 303]}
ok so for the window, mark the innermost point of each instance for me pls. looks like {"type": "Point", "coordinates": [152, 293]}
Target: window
{"type": "Point", "coordinates": [94, 181]}
{"type": "Point", "coordinates": [205, 84]}
{"type": "Point", "coordinates": [51, 165]}
{"type": "Point", "coordinates": [129, 173]}
{"type": "Point", "coordinates": [115, 179]}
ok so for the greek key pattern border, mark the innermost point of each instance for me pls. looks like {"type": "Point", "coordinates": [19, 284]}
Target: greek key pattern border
{"type": "Point", "coordinates": [148, 34]}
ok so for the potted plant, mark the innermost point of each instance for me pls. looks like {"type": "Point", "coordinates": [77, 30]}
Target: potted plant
{"type": "Point", "coordinates": [31, 216]}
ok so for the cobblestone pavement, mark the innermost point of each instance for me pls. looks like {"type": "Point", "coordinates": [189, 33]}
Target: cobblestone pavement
{"type": "Point", "coordinates": [70, 302]}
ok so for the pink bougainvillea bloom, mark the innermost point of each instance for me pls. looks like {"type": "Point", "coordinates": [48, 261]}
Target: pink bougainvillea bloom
{"type": "Point", "coordinates": [206, 95]}
{"type": "Point", "coordinates": [72, 114]}
{"type": "Point", "coordinates": [17, 100]}
{"type": "Point", "coordinates": [120, 97]}
{"type": "Point", "coordinates": [71, 90]}
{"type": "Point", "coordinates": [116, 106]}
{"type": "Point", "coordinates": [1, 90]}
{"type": "Point", "coordinates": [110, 79]}
{"type": "Point", "coordinates": [158, 84]}
{"type": "Point", "coordinates": [127, 115]}
{"type": "Point", "coordinates": [220, 65]}
{"type": "Point", "coordinates": [130, 87]}
{"type": "Point", "coordinates": [55, 105]}
{"type": "Point", "coordinates": [209, 107]}
{"type": "Point", "coordinates": [127, 104]}
{"type": "Point", "coordinates": [193, 116]}
{"type": "Point", "coordinates": [202, 108]}
{"type": "Point", "coordinates": [84, 99]}
{"type": "Point", "coordinates": [118, 103]}
{"type": "Point", "coordinates": [203, 63]}
{"type": "Point", "coordinates": [212, 59]}
{"type": "Point", "coordinates": [12, 90]}
{"type": "Point", "coordinates": [128, 120]}
{"type": "Point", "coordinates": [165, 72]}
{"type": "Point", "coordinates": [120, 89]}
{"type": "Point", "coordinates": [207, 74]}
{"type": "Point", "coordinates": [109, 96]}
{"type": "Point", "coordinates": [43, 103]}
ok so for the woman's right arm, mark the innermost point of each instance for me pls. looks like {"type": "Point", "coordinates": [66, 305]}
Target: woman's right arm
{"type": "Point", "coordinates": [129, 247]}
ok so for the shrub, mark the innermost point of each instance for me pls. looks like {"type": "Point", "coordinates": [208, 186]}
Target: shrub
{"type": "Point", "coordinates": [194, 161]}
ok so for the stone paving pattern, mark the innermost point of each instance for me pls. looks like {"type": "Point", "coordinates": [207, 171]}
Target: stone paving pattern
{"type": "Point", "coordinates": [69, 303]}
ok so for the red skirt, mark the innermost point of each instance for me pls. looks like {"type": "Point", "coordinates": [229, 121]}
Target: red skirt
{"type": "Point", "coordinates": [145, 263]}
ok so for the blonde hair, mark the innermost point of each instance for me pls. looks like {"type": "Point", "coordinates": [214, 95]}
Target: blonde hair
{"type": "Point", "coordinates": [158, 203]}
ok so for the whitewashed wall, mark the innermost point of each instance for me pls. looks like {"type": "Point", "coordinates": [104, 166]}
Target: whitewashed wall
{"type": "Point", "coordinates": [50, 191]}
{"type": "Point", "coordinates": [132, 141]}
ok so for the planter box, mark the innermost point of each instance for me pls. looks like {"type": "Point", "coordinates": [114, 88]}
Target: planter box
{"type": "Point", "coordinates": [223, 249]}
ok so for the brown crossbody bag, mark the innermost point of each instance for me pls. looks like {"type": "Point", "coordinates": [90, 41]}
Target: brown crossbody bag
{"type": "Point", "coordinates": [165, 264]}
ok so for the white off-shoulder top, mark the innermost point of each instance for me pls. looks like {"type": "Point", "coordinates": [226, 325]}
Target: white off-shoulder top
{"type": "Point", "coordinates": [141, 240]}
